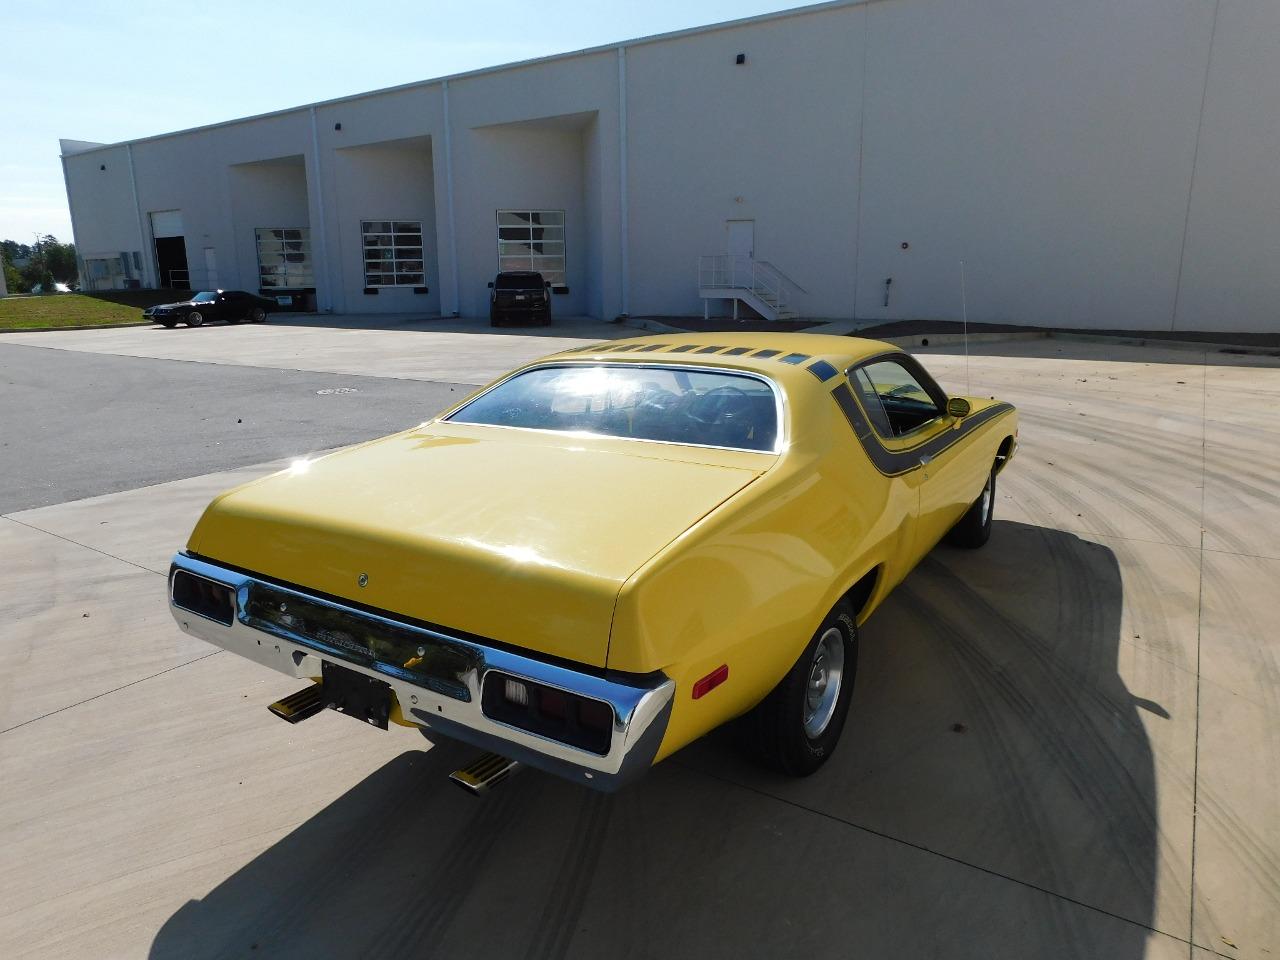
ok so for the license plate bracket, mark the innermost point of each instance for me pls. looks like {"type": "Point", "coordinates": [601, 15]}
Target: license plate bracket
{"type": "Point", "coordinates": [365, 698]}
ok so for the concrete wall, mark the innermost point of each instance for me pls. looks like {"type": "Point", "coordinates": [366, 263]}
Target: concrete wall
{"type": "Point", "coordinates": [1094, 164]}
{"type": "Point", "coordinates": [774, 140]}
{"type": "Point", "coordinates": [383, 181]}
{"type": "Point", "coordinates": [1231, 267]}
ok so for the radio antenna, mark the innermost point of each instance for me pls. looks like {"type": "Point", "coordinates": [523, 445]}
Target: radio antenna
{"type": "Point", "coordinates": [964, 314]}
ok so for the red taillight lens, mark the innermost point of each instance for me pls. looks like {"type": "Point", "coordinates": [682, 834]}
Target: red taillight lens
{"type": "Point", "coordinates": [548, 711]}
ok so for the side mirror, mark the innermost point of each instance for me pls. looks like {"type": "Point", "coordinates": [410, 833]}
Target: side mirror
{"type": "Point", "coordinates": [547, 284]}
{"type": "Point", "coordinates": [958, 407]}
{"type": "Point", "coordinates": [490, 284]}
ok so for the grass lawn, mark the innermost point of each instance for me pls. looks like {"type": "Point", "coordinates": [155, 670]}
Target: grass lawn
{"type": "Point", "coordinates": [78, 309]}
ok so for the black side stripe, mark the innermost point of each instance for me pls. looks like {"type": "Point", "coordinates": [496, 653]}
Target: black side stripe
{"type": "Point", "coordinates": [683, 348]}
{"type": "Point", "coordinates": [737, 351]}
{"type": "Point", "coordinates": [894, 463]}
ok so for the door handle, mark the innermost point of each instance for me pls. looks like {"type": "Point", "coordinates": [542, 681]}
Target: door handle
{"type": "Point", "coordinates": [925, 459]}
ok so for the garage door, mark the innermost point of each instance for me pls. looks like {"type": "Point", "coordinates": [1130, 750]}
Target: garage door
{"type": "Point", "coordinates": [166, 223]}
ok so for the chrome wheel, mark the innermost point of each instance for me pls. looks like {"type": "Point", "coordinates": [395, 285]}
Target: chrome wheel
{"type": "Point", "coordinates": [985, 500]}
{"type": "Point", "coordinates": [195, 318]}
{"type": "Point", "coordinates": [258, 315]}
{"type": "Point", "coordinates": [826, 673]}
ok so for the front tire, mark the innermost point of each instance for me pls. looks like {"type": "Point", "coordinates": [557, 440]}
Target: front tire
{"type": "Point", "coordinates": [168, 324]}
{"type": "Point", "coordinates": [797, 726]}
{"type": "Point", "coordinates": [973, 530]}
{"type": "Point", "coordinates": [195, 319]}
{"type": "Point", "coordinates": [257, 315]}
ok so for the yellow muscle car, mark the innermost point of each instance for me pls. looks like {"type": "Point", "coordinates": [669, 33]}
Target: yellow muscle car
{"type": "Point", "coordinates": [607, 553]}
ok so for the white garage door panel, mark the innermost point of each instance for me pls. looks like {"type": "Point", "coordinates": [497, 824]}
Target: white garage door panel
{"type": "Point", "coordinates": [166, 223]}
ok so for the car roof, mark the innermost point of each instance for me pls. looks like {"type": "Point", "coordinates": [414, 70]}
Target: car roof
{"type": "Point", "coordinates": [753, 351]}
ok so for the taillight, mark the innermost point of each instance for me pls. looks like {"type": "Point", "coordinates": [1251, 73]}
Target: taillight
{"type": "Point", "coordinates": [549, 712]}
{"type": "Point", "coordinates": [204, 597]}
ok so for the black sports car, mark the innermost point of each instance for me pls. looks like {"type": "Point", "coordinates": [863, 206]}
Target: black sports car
{"type": "Point", "coordinates": [519, 295]}
{"type": "Point", "coordinates": [233, 306]}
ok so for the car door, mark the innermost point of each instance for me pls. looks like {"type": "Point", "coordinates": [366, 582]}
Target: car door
{"type": "Point", "coordinates": [908, 411]}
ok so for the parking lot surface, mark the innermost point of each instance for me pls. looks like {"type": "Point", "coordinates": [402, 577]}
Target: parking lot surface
{"type": "Point", "coordinates": [1064, 745]}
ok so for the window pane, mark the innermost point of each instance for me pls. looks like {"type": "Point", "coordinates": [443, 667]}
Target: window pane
{"type": "Point", "coordinates": [408, 226]}
{"type": "Point", "coordinates": [675, 406]}
{"type": "Point", "coordinates": [907, 405]}
{"type": "Point", "coordinates": [408, 266]}
{"type": "Point", "coordinates": [513, 218]}
{"type": "Point", "coordinates": [547, 216]}
{"type": "Point", "coordinates": [548, 233]}
{"type": "Point", "coordinates": [513, 233]}
{"type": "Point", "coordinates": [375, 226]}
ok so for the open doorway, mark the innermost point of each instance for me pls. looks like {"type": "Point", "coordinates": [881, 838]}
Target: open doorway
{"type": "Point", "coordinates": [171, 250]}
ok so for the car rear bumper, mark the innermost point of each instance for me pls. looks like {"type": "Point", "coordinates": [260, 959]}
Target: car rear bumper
{"type": "Point", "coordinates": [444, 695]}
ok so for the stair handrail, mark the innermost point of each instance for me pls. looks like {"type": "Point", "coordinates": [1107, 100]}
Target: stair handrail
{"type": "Point", "coordinates": [727, 271]}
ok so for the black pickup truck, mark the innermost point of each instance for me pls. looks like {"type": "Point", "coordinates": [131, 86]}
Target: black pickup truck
{"type": "Point", "coordinates": [519, 295]}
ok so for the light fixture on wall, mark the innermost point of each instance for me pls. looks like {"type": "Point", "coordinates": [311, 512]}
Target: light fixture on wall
{"type": "Point", "coordinates": [337, 126]}
{"type": "Point", "coordinates": [102, 166]}
{"type": "Point", "coordinates": [740, 59]}
{"type": "Point", "coordinates": [739, 200]}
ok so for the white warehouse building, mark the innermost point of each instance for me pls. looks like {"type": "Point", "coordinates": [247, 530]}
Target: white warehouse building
{"type": "Point", "coordinates": [1094, 164]}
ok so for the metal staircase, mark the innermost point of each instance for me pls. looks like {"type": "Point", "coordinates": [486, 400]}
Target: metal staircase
{"type": "Point", "coordinates": [757, 283]}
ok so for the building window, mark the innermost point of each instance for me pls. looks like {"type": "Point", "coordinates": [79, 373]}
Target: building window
{"type": "Point", "coordinates": [392, 253]}
{"type": "Point", "coordinates": [284, 258]}
{"type": "Point", "coordinates": [532, 240]}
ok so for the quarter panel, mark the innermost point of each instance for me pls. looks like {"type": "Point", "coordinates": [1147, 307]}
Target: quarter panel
{"type": "Point", "coordinates": [748, 585]}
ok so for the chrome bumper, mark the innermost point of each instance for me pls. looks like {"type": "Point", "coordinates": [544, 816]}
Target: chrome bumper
{"type": "Point", "coordinates": [453, 709]}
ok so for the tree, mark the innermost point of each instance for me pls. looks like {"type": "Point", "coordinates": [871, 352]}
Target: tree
{"type": "Point", "coordinates": [13, 279]}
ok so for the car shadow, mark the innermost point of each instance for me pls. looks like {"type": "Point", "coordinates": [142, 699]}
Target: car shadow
{"type": "Point", "coordinates": [993, 795]}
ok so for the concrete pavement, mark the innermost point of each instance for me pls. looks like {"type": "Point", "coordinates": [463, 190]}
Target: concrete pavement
{"type": "Point", "coordinates": [1063, 745]}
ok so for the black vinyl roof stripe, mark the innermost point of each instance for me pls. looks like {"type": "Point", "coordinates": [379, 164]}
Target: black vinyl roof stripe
{"type": "Point", "coordinates": [765, 354]}
{"type": "Point", "coordinates": [894, 463]}
{"type": "Point", "coordinates": [654, 346]}
{"type": "Point", "coordinates": [625, 347]}
{"type": "Point", "coordinates": [823, 370]}
{"type": "Point", "coordinates": [736, 351]}
{"type": "Point", "coordinates": [710, 349]}
{"type": "Point", "coordinates": [794, 358]}
{"type": "Point", "coordinates": [684, 348]}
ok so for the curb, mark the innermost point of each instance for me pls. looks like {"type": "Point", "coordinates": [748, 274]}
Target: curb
{"type": "Point", "coordinates": [1194, 346]}
{"type": "Point", "coordinates": [87, 326]}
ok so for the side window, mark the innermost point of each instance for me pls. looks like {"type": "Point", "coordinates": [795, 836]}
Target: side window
{"type": "Point", "coordinates": [905, 404]}
{"type": "Point", "coordinates": [871, 402]}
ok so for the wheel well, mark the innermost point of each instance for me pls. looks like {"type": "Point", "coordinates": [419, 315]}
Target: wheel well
{"type": "Point", "coordinates": [858, 595]}
{"type": "Point", "coordinates": [1002, 455]}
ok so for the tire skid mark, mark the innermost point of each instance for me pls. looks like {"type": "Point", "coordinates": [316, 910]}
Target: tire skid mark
{"type": "Point", "coordinates": [573, 880]}
{"type": "Point", "coordinates": [1082, 768]}
{"type": "Point", "coordinates": [431, 912]}
{"type": "Point", "coordinates": [1027, 819]}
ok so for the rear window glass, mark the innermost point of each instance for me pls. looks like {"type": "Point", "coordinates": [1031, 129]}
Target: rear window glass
{"type": "Point", "coordinates": [671, 404]}
{"type": "Point", "coordinates": [518, 281]}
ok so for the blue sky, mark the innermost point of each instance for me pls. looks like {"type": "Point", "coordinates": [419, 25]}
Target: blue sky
{"type": "Point", "coordinates": [110, 71]}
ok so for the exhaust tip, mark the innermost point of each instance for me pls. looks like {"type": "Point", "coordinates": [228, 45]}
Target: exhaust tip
{"type": "Point", "coordinates": [484, 773]}
{"type": "Point", "coordinates": [296, 707]}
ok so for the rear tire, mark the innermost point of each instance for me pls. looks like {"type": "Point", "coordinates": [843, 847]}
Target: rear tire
{"type": "Point", "coordinates": [495, 318]}
{"type": "Point", "coordinates": [195, 319]}
{"type": "Point", "coordinates": [258, 315]}
{"type": "Point", "coordinates": [973, 530]}
{"type": "Point", "coordinates": [797, 726]}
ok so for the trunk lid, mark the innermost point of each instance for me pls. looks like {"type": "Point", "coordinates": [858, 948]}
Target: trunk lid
{"type": "Point", "coordinates": [517, 536]}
